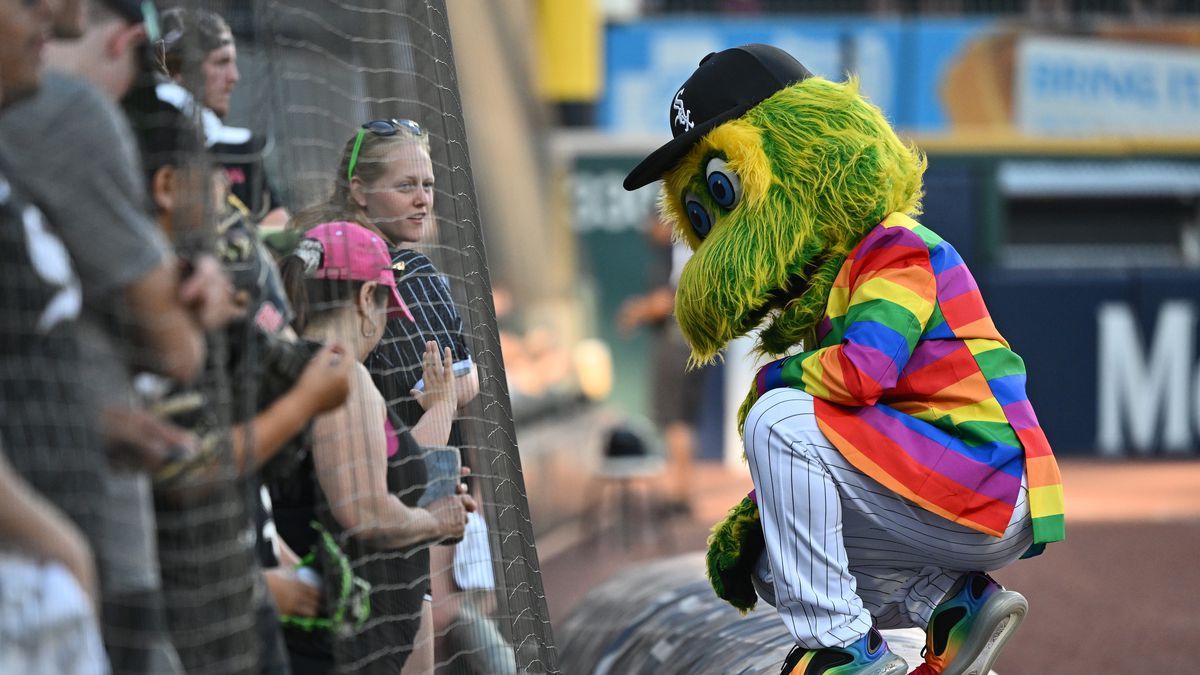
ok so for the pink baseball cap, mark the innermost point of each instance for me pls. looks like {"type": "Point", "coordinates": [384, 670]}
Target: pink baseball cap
{"type": "Point", "coordinates": [351, 252]}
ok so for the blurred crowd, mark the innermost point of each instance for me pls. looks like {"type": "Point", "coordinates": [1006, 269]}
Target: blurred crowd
{"type": "Point", "coordinates": [220, 451]}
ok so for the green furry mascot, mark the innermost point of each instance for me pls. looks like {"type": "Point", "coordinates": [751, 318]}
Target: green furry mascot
{"type": "Point", "coordinates": [789, 233]}
{"type": "Point", "coordinates": [895, 394]}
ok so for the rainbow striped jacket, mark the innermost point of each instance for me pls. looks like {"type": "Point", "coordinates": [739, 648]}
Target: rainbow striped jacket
{"type": "Point", "coordinates": [915, 386]}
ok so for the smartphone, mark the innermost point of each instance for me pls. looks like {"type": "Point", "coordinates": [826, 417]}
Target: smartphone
{"type": "Point", "coordinates": [463, 367]}
{"type": "Point", "coordinates": [460, 368]}
{"type": "Point", "coordinates": [443, 468]}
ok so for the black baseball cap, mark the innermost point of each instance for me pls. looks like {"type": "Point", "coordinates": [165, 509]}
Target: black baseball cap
{"type": "Point", "coordinates": [725, 85]}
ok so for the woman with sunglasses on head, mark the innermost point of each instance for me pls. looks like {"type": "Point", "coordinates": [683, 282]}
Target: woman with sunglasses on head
{"type": "Point", "coordinates": [340, 284]}
{"type": "Point", "coordinates": [385, 181]}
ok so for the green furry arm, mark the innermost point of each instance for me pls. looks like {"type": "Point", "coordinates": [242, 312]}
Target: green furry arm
{"type": "Point", "coordinates": [733, 549]}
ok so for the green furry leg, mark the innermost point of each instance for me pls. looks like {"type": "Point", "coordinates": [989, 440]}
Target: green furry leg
{"type": "Point", "coordinates": [733, 548]}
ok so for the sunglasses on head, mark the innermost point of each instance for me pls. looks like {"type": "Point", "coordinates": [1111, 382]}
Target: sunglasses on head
{"type": "Point", "coordinates": [389, 127]}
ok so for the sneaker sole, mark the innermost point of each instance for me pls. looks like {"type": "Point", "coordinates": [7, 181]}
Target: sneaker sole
{"type": "Point", "coordinates": [996, 623]}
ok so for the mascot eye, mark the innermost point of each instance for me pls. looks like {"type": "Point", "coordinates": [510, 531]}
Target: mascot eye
{"type": "Point", "coordinates": [697, 215]}
{"type": "Point", "coordinates": [723, 183]}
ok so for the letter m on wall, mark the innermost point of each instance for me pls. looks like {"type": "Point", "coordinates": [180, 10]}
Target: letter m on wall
{"type": "Point", "coordinates": [1139, 392]}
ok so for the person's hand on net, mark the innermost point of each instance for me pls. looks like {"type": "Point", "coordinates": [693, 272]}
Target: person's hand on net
{"type": "Point", "coordinates": [139, 439]}
{"type": "Point", "coordinates": [208, 293]}
{"type": "Point", "coordinates": [325, 382]}
{"type": "Point", "coordinates": [464, 494]}
{"type": "Point", "coordinates": [438, 376]}
{"type": "Point", "coordinates": [450, 512]}
{"type": "Point", "coordinates": [293, 597]}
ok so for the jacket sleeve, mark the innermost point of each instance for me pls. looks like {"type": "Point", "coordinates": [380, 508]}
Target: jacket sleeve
{"type": "Point", "coordinates": [892, 293]}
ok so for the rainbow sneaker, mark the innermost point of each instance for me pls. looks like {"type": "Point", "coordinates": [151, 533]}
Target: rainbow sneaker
{"type": "Point", "coordinates": [869, 655]}
{"type": "Point", "coordinates": [968, 629]}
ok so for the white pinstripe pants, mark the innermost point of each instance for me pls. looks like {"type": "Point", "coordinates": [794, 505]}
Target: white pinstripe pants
{"type": "Point", "coordinates": [851, 549]}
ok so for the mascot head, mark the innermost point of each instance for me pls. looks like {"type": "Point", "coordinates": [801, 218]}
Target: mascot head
{"type": "Point", "coordinates": [772, 178]}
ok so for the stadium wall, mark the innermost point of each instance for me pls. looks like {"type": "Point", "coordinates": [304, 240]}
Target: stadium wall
{"type": "Point", "coordinates": [1109, 337]}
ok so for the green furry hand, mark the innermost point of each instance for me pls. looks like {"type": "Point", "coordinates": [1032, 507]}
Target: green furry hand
{"type": "Point", "coordinates": [733, 548]}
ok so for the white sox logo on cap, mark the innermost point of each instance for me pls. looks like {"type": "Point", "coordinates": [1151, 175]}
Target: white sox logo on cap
{"type": "Point", "coordinates": [724, 86]}
{"type": "Point", "coordinates": [683, 116]}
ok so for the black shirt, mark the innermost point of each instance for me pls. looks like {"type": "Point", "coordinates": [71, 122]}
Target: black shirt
{"type": "Point", "coordinates": [46, 422]}
{"type": "Point", "coordinates": [399, 578]}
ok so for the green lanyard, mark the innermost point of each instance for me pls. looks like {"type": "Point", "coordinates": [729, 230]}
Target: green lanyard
{"type": "Point", "coordinates": [352, 606]}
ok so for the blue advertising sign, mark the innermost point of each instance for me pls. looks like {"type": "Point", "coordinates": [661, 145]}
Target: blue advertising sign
{"type": "Point", "coordinates": [899, 63]}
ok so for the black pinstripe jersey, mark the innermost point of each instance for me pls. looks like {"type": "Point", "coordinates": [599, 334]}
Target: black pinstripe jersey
{"type": "Point", "coordinates": [395, 364]}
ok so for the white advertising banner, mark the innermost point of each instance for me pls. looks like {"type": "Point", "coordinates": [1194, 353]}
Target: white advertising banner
{"type": "Point", "coordinates": [1080, 87]}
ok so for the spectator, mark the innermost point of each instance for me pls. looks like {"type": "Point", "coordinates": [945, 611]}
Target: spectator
{"type": "Point", "coordinates": [46, 616]}
{"type": "Point", "coordinates": [369, 478]}
{"type": "Point", "coordinates": [75, 114]}
{"type": "Point", "coordinates": [200, 57]}
{"type": "Point", "coordinates": [183, 197]}
{"type": "Point", "coordinates": [676, 388]}
{"type": "Point", "coordinates": [71, 136]}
